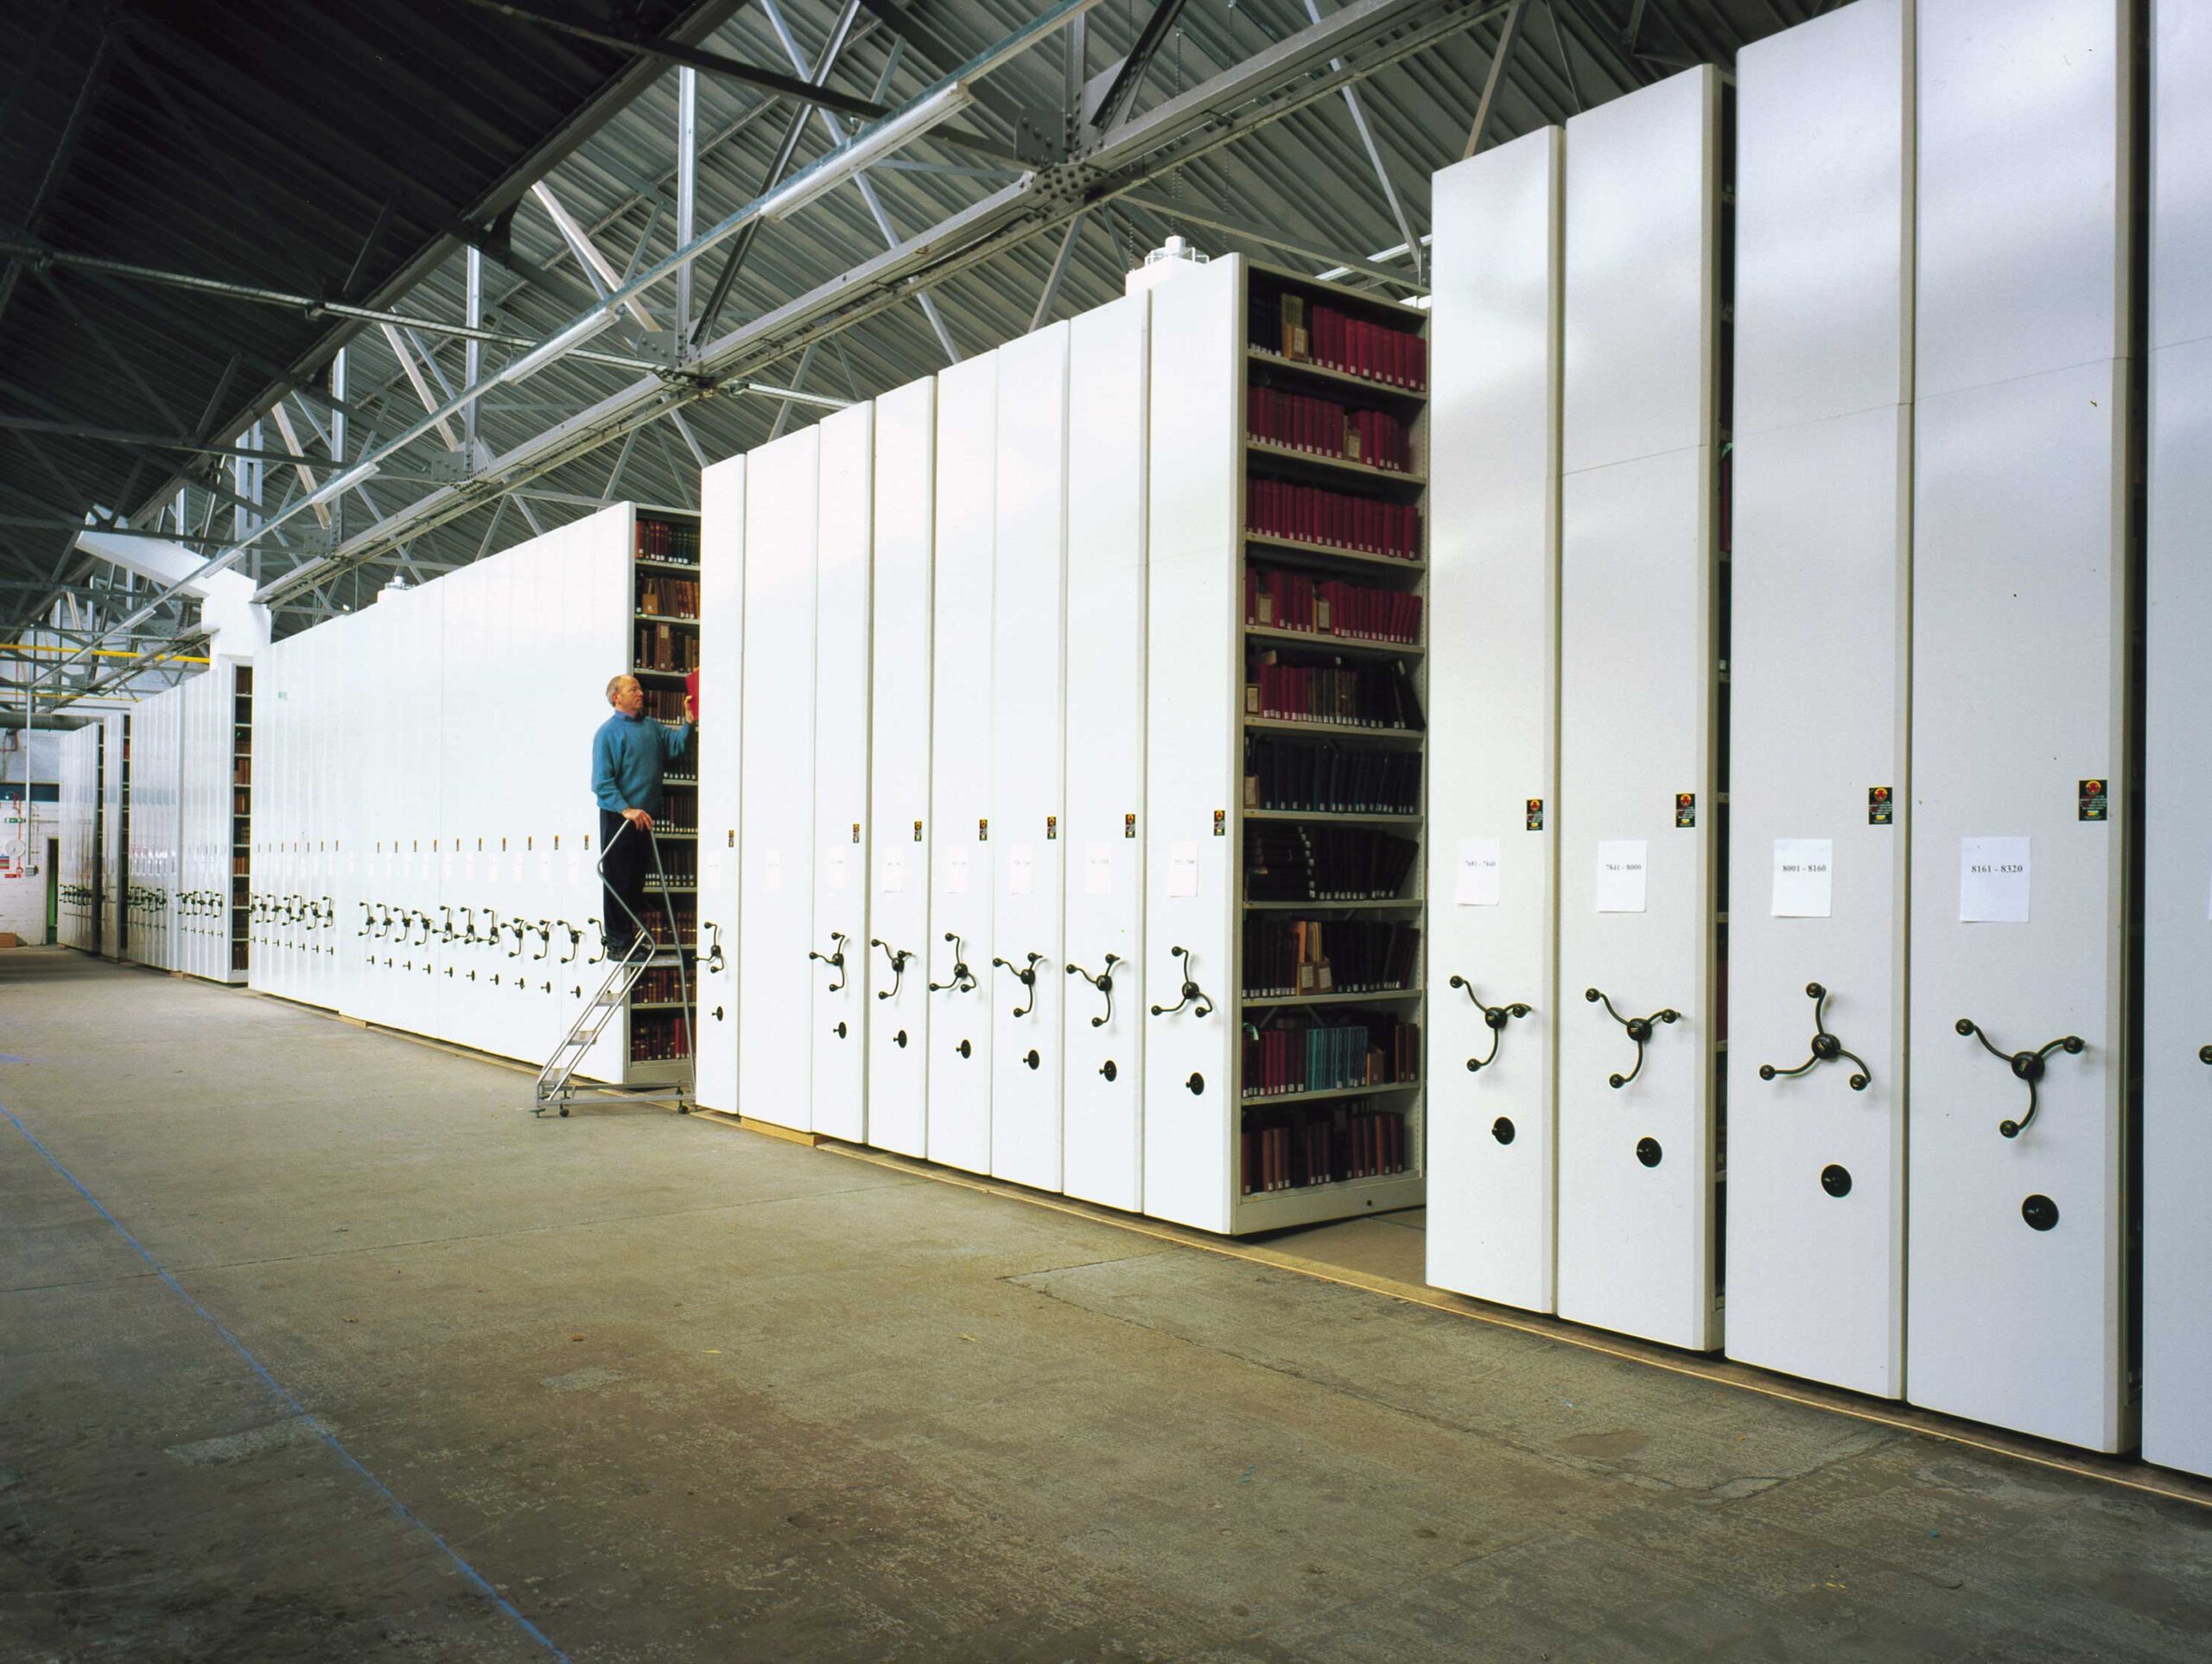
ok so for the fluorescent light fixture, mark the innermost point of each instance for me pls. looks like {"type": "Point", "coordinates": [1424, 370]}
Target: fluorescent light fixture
{"type": "Point", "coordinates": [868, 146]}
{"type": "Point", "coordinates": [338, 483]}
{"type": "Point", "coordinates": [577, 335]}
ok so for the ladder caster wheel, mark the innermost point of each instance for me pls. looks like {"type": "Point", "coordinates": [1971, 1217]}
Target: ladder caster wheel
{"type": "Point", "coordinates": [564, 1111]}
{"type": "Point", "coordinates": [683, 1109]}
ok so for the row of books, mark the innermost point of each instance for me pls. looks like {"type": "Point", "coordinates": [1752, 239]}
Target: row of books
{"type": "Point", "coordinates": [1358, 696]}
{"type": "Point", "coordinates": [1322, 427]}
{"type": "Point", "coordinates": [1370, 1050]}
{"type": "Point", "coordinates": [667, 647]}
{"type": "Point", "coordinates": [242, 771]}
{"type": "Point", "coordinates": [657, 913]}
{"type": "Point", "coordinates": [675, 598]}
{"type": "Point", "coordinates": [1277, 600]}
{"type": "Point", "coordinates": [666, 704]}
{"type": "Point", "coordinates": [1313, 331]}
{"type": "Point", "coordinates": [659, 1036]}
{"type": "Point", "coordinates": [658, 986]}
{"type": "Point", "coordinates": [1290, 1148]}
{"type": "Point", "coordinates": [241, 803]}
{"type": "Point", "coordinates": [1330, 780]}
{"type": "Point", "coordinates": [665, 540]}
{"type": "Point", "coordinates": [1288, 862]}
{"type": "Point", "coordinates": [1289, 957]}
{"type": "Point", "coordinates": [1336, 519]}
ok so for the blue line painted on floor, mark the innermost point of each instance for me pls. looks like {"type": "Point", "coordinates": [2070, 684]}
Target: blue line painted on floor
{"type": "Point", "coordinates": [400, 1509]}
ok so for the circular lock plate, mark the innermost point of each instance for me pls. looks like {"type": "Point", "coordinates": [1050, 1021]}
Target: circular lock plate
{"type": "Point", "coordinates": [1502, 1129]}
{"type": "Point", "coordinates": [1647, 1152]}
{"type": "Point", "coordinates": [1835, 1179]}
{"type": "Point", "coordinates": [2040, 1211]}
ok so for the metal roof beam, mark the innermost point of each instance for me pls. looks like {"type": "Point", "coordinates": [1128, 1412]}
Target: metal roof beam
{"type": "Point", "coordinates": [734, 262]}
{"type": "Point", "coordinates": [65, 149]}
{"type": "Point", "coordinates": [261, 294]}
{"type": "Point", "coordinates": [676, 52]}
{"type": "Point", "coordinates": [1122, 90]}
{"type": "Point", "coordinates": [1284, 76]}
{"type": "Point", "coordinates": [838, 137]}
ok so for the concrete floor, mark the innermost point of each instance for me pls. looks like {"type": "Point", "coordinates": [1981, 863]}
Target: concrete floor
{"type": "Point", "coordinates": [402, 1373]}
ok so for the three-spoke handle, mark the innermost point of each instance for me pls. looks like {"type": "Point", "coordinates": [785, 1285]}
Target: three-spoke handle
{"type": "Point", "coordinates": [1495, 1016]}
{"type": "Point", "coordinates": [1826, 1047]}
{"type": "Point", "coordinates": [1105, 983]}
{"type": "Point", "coordinates": [964, 980]}
{"type": "Point", "coordinates": [714, 960]}
{"type": "Point", "coordinates": [575, 941]}
{"type": "Point", "coordinates": [1639, 1030]}
{"type": "Point", "coordinates": [1027, 975]}
{"type": "Point", "coordinates": [2026, 1066]}
{"type": "Point", "coordinates": [1192, 995]}
{"type": "Point", "coordinates": [898, 956]}
{"type": "Point", "coordinates": [835, 961]}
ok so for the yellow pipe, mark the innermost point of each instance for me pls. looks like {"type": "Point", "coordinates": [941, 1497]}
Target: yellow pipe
{"type": "Point", "coordinates": [99, 652]}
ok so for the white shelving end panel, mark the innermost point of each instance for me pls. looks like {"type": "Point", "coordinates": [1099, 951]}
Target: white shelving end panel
{"type": "Point", "coordinates": [2021, 597]}
{"type": "Point", "coordinates": [114, 851]}
{"type": "Point", "coordinates": [721, 703]}
{"type": "Point", "coordinates": [1193, 766]}
{"type": "Point", "coordinates": [1109, 371]}
{"type": "Point", "coordinates": [2178, 882]}
{"type": "Point", "coordinates": [1029, 759]}
{"type": "Point", "coordinates": [962, 849]}
{"type": "Point", "coordinates": [842, 830]}
{"type": "Point", "coordinates": [775, 982]}
{"type": "Point", "coordinates": [1493, 733]}
{"type": "Point", "coordinates": [1636, 1162]}
{"type": "Point", "coordinates": [78, 784]}
{"type": "Point", "coordinates": [1820, 608]}
{"type": "Point", "coordinates": [897, 951]}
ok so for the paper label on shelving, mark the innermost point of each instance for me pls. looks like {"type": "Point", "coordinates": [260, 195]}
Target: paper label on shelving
{"type": "Point", "coordinates": [445, 865]}
{"type": "Point", "coordinates": [892, 873]}
{"type": "Point", "coordinates": [1994, 880]}
{"type": "Point", "coordinates": [1478, 882]}
{"type": "Point", "coordinates": [836, 865]}
{"type": "Point", "coordinates": [469, 867]}
{"type": "Point", "coordinates": [1021, 871]}
{"type": "Point", "coordinates": [545, 869]}
{"type": "Point", "coordinates": [575, 868]}
{"type": "Point", "coordinates": [714, 872]}
{"type": "Point", "coordinates": [956, 872]}
{"type": "Point", "coordinates": [1098, 869]}
{"type": "Point", "coordinates": [772, 871]}
{"type": "Point", "coordinates": [1620, 875]}
{"type": "Point", "coordinates": [1804, 877]}
{"type": "Point", "coordinates": [1182, 868]}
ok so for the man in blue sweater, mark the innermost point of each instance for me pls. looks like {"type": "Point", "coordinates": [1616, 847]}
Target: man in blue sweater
{"type": "Point", "coordinates": [627, 755]}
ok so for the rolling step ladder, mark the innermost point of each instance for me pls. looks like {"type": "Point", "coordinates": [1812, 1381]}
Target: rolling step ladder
{"type": "Point", "coordinates": [557, 1086]}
